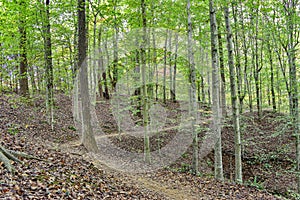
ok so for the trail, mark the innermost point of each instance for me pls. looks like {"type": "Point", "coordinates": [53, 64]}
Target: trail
{"type": "Point", "coordinates": [171, 190]}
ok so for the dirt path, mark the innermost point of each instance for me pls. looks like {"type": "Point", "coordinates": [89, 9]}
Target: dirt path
{"type": "Point", "coordinates": [169, 190]}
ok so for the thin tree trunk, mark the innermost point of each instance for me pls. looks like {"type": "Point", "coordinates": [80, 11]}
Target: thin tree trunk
{"type": "Point", "coordinates": [144, 86]}
{"type": "Point", "coordinates": [165, 67]}
{"type": "Point", "coordinates": [155, 65]}
{"type": "Point", "coordinates": [32, 79]}
{"type": "Point", "coordinates": [193, 101]}
{"type": "Point", "coordinates": [257, 70]}
{"type": "Point", "coordinates": [49, 67]}
{"type": "Point", "coordinates": [208, 81]}
{"type": "Point", "coordinates": [235, 110]}
{"type": "Point", "coordinates": [104, 74]}
{"type": "Point", "coordinates": [100, 64]}
{"type": "Point", "coordinates": [23, 80]}
{"type": "Point", "coordinates": [273, 97]}
{"type": "Point", "coordinates": [223, 79]}
{"type": "Point", "coordinates": [173, 93]}
{"type": "Point", "coordinates": [241, 95]}
{"type": "Point", "coordinates": [215, 93]}
{"type": "Point", "coordinates": [293, 40]}
{"type": "Point", "coordinates": [170, 65]}
{"type": "Point", "coordinates": [114, 79]}
{"type": "Point", "coordinates": [245, 52]}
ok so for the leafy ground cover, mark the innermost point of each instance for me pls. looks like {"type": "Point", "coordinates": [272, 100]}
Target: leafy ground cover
{"type": "Point", "coordinates": [66, 172]}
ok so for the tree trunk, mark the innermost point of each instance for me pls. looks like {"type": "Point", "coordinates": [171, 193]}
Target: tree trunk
{"type": "Point", "coordinates": [223, 80]}
{"type": "Point", "coordinates": [215, 93]}
{"type": "Point", "coordinates": [49, 67]}
{"type": "Point", "coordinates": [104, 74]}
{"type": "Point", "coordinates": [235, 110]}
{"type": "Point", "coordinates": [257, 69]}
{"type": "Point", "coordinates": [170, 65]}
{"type": "Point", "coordinates": [100, 65]}
{"type": "Point", "coordinates": [144, 86]}
{"type": "Point", "coordinates": [88, 139]}
{"type": "Point", "coordinates": [23, 80]}
{"type": "Point", "coordinates": [165, 67]}
{"type": "Point", "coordinates": [193, 101]}
{"type": "Point", "coordinates": [241, 95]}
{"type": "Point", "coordinates": [273, 97]}
{"type": "Point", "coordinates": [245, 52]}
{"type": "Point", "coordinates": [173, 93]}
{"type": "Point", "coordinates": [32, 79]}
{"type": "Point", "coordinates": [114, 78]}
{"type": "Point", "coordinates": [293, 40]}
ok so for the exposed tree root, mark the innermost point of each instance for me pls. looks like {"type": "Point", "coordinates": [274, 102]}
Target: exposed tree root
{"type": "Point", "coordinates": [6, 156]}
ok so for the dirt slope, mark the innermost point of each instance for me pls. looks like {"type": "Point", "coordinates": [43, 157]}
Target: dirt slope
{"type": "Point", "coordinates": [70, 173]}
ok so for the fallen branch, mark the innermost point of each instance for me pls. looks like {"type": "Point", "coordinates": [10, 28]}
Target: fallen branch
{"type": "Point", "coordinates": [6, 156]}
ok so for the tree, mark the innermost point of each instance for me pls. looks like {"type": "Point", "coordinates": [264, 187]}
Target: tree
{"type": "Point", "coordinates": [24, 89]}
{"type": "Point", "coordinates": [87, 139]}
{"type": "Point", "coordinates": [290, 8]}
{"type": "Point", "coordinates": [193, 90]}
{"type": "Point", "coordinates": [144, 95]}
{"type": "Point", "coordinates": [215, 93]}
{"type": "Point", "coordinates": [235, 110]}
{"type": "Point", "coordinates": [49, 67]}
{"type": "Point", "coordinates": [241, 95]}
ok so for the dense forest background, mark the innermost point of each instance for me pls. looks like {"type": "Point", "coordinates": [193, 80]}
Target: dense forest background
{"type": "Point", "coordinates": [241, 57]}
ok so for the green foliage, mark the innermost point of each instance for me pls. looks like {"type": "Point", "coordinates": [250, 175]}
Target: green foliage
{"type": "Point", "coordinates": [256, 183]}
{"type": "Point", "coordinates": [72, 128]}
{"type": "Point", "coordinates": [184, 167]}
{"type": "Point", "coordinates": [13, 129]}
{"type": "Point", "coordinates": [292, 194]}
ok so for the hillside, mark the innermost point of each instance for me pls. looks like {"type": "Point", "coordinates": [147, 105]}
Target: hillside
{"type": "Point", "coordinates": [67, 172]}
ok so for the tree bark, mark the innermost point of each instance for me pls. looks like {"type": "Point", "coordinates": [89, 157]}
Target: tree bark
{"type": "Point", "coordinates": [273, 97]}
{"type": "Point", "coordinates": [293, 41]}
{"type": "Point", "coordinates": [144, 85]}
{"type": "Point", "coordinates": [235, 110]}
{"type": "Point", "coordinates": [88, 139]}
{"type": "Point", "coordinates": [222, 73]}
{"type": "Point", "coordinates": [49, 66]}
{"type": "Point", "coordinates": [173, 91]}
{"type": "Point", "coordinates": [241, 95]}
{"type": "Point", "coordinates": [165, 67]}
{"type": "Point", "coordinates": [23, 80]}
{"type": "Point", "coordinates": [215, 93]}
{"type": "Point", "coordinates": [193, 90]}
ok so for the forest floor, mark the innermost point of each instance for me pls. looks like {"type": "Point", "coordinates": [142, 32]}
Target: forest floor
{"type": "Point", "coordinates": [68, 172]}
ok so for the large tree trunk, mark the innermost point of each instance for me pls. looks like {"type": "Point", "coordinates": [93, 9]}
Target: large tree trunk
{"type": "Point", "coordinates": [88, 139]}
